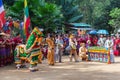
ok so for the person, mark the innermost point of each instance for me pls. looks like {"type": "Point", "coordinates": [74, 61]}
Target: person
{"type": "Point", "coordinates": [66, 44]}
{"type": "Point", "coordinates": [59, 47]}
{"type": "Point", "coordinates": [73, 44]}
{"type": "Point", "coordinates": [51, 46]}
{"type": "Point", "coordinates": [89, 41]}
{"type": "Point", "coordinates": [101, 41]}
{"type": "Point", "coordinates": [118, 45]}
{"type": "Point", "coordinates": [109, 45]}
{"type": "Point", "coordinates": [2, 49]}
{"type": "Point", "coordinates": [95, 40]}
{"type": "Point", "coordinates": [82, 52]}
{"type": "Point", "coordinates": [116, 48]}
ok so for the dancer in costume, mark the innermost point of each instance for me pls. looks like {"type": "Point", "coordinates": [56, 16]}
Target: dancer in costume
{"type": "Point", "coordinates": [40, 56]}
{"type": "Point", "coordinates": [73, 44]}
{"type": "Point", "coordinates": [82, 52]}
{"type": "Point", "coordinates": [51, 46]}
{"type": "Point", "coordinates": [30, 51]}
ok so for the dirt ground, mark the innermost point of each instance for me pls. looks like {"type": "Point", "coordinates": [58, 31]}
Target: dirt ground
{"type": "Point", "coordinates": [65, 71]}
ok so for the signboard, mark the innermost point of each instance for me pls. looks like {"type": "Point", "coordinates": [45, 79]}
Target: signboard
{"type": "Point", "coordinates": [99, 54]}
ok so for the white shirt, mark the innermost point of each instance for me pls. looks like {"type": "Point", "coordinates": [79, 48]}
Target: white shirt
{"type": "Point", "coordinates": [101, 42]}
{"type": "Point", "coordinates": [109, 43]}
{"type": "Point", "coordinates": [59, 42]}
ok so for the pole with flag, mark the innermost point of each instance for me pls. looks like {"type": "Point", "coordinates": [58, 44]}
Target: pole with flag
{"type": "Point", "coordinates": [2, 15]}
{"type": "Point", "coordinates": [26, 20]}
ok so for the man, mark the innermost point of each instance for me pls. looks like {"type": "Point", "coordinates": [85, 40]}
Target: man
{"type": "Point", "coordinates": [109, 45]}
{"type": "Point", "coordinates": [101, 41]}
{"type": "Point", "coordinates": [59, 47]}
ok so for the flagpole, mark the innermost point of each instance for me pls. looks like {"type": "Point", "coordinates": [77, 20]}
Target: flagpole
{"type": "Point", "coordinates": [26, 20]}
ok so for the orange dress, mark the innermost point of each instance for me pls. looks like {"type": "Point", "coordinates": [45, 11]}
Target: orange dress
{"type": "Point", "coordinates": [50, 55]}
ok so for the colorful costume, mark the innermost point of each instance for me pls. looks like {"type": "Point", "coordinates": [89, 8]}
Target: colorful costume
{"type": "Point", "coordinates": [2, 52]}
{"type": "Point", "coordinates": [30, 51]}
{"type": "Point", "coordinates": [40, 57]}
{"type": "Point", "coordinates": [73, 52]}
{"type": "Point", "coordinates": [82, 52]}
{"type": "Point", "coordinates": [50, 55]}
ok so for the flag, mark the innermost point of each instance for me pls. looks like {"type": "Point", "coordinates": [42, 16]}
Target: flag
{"type": "Point", "coordinates": [26, 20]}
{"type": "Point", "coordinates": [2, 15]}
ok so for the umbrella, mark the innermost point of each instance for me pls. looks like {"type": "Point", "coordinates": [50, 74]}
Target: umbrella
{"type": "Point", "coordinates": [93, 32]}
{"type": "Point", "coordinates": [118, 30]}
{"type": "Point", "coordinates": [102, 31]}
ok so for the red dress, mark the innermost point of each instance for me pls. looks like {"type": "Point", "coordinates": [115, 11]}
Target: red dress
{"type": "Point", "coordinates": [94, 41]}
{"type": "Point", "coordinates": [2, 53]}
{"type": "Point", "coordinates": [116, 52]}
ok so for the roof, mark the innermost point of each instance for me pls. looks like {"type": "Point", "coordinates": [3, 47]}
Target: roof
{"type": "Point", "coordinates": [81, 28]}
{"type": "Point", "coordinates": [84, 25]}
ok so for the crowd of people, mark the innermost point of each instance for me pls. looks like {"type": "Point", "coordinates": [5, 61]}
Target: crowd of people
{"type": "Point", "coordinates": [74, 45]}
{"type": "Point", "coordinates": [7, 46]}
{"type": "Point", "coordinates": [77, 46]}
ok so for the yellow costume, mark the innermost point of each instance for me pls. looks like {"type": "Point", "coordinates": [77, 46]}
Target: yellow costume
{"type": "Point", "coordinates": [50, 55]}
{"type": "Point", "coordinates": [40, 57]}
{"type": "Point", "coordinates": [73, 51]}
{"type": "Point", "coordinates": [82, 52]}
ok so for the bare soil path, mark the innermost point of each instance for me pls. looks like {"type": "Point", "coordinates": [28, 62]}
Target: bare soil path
{"type": "Point", "coordinates": [65, 71]}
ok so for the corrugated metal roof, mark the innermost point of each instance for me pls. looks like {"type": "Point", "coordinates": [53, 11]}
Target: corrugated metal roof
{"type": "Point", "coordinates": [81, 25]}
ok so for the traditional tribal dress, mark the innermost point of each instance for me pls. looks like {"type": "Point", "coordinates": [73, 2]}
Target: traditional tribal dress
{"type": "Point", "coordinates": [30, 51]}
{"type": "Point", "coordinates": [50, 55]}
{"type": "Point", "coordinates": [2, 52]}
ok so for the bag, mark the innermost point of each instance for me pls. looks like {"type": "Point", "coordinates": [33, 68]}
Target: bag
{"type": "Point", "coordinates": [68, 48]}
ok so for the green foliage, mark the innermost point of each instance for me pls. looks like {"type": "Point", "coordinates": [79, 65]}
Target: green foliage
{"type": "Point", "coordinates": [104, 20]}
{"type": "Point", "coordinates": [92, 9]}
{"type": "Point", "coordinates": [9, 2]}
{"type": "Point", "coordinates": [115, 15]}
{"type": "Point", "coordinates": [41, 13]}
{"type": "Point", "coordinates": [51, 13]}
{"type": "Point", "coordinates": [69, 10]}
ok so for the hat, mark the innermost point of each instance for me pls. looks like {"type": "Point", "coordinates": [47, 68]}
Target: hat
{"type": "Point", "coordinates": [82, 44]}
{"type": "Point", "coordinates": [72, 35]}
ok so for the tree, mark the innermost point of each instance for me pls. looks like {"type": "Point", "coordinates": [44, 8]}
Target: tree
{"type": "Point", "coordinates": [9, 2]}
{"type": "Point", "coordinates": [115, 15]}
{"type": "Point", "coordinates": [41, 13]}
{"type": "Point", "coordinates": [92, 9]}
{"type": "Point", "coordinates": [103, 20]}
{"type": "Point", "coordinates": [69, 10]}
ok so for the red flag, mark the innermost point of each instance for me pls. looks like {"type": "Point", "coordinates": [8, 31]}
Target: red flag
{"type": "Point", "coordinates": [2, 15]}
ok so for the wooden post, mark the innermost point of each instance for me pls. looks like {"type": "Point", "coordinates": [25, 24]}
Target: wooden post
{"type": "Point", "coordinates": [109, 62]}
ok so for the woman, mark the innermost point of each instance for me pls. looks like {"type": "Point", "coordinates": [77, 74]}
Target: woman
{"type": "Point", "coordinates": [2, 49]}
